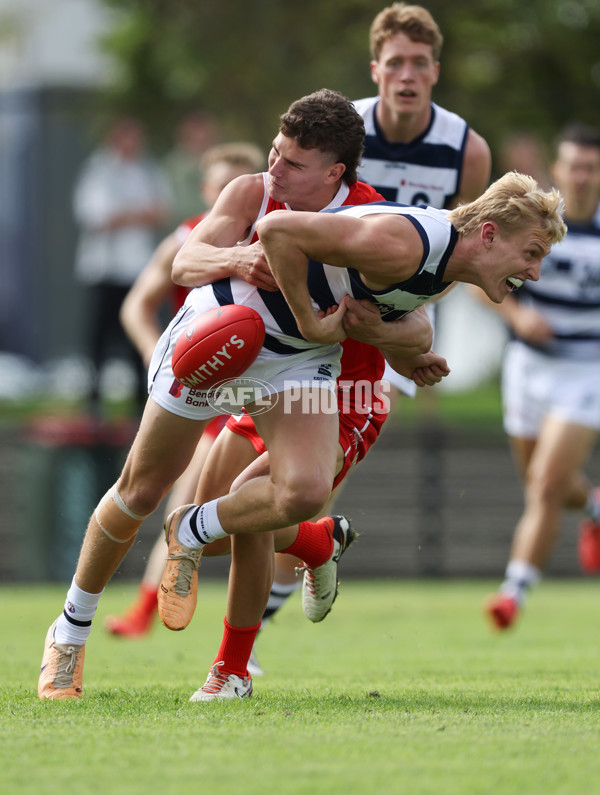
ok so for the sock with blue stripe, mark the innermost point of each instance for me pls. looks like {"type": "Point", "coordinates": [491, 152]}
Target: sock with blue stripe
{"type": "Point", "coordinates": [200, 525]}
{"type": "Point", "coordinates": [75, 623]}
{"type": "Point", "coordinates": [519, 578]}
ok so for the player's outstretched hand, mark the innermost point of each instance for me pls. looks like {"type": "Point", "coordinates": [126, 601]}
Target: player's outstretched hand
{"type": "Point", "coordinates": [430, 369]}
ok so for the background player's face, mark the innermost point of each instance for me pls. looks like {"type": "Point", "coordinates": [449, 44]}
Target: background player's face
{"type": "Point", "coordinates": [301, 177]}
{"type": "Point", "coordinates": [217, 177]}
{"type": "Point", "coordinates": [576, 173]}
{"type": "Point", "coordinates": [405, 74]}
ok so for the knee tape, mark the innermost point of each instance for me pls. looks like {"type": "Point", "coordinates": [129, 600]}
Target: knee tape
{"type": "Point", "coordinates": [113, 513]}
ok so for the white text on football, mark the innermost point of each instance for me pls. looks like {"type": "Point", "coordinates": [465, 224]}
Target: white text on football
{"type": "Point", "coordinates": [203, 371]}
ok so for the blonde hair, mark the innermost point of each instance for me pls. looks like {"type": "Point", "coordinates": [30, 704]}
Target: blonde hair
{"type": "Point", "coordinates": [239, 154]}
{"type": "Point", "coordinates": [414, 21]}
{"type": "Point", "coordinates": [514, 202]}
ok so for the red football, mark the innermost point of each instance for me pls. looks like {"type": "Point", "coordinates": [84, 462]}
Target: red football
{"type": "Point", "coordinates": [218, 345]}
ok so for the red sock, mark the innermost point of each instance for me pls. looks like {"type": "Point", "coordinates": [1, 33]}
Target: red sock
{"type": "Point", "coordinates": [236, 647]}
{"type": "Point", "coordinates": [148, 598]}
{"type": "Point", "coordinates": [314, 543]}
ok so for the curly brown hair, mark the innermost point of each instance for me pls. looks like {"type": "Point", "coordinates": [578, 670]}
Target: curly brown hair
{"type": "Point", "coordinates": [328, 121]}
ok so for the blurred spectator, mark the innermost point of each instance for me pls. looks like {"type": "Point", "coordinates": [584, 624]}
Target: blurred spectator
{"type": "Point", "coordinates": [140, 313]}
{"type": "Point", "coordinates": [194, 135]}
{"type": "Point", "coordinates": [121, 201]}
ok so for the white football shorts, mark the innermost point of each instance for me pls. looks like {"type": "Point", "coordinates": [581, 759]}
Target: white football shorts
{"type": "Point", "coordinates": [269, 374]}
{"type": "Point", "coordinates": [535, 385]}
{"type": "Point", "coordinates": [402, 384]}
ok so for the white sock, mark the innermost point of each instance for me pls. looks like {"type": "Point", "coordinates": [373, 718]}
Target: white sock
{"type": "Point", "coordinates": [592, 509]}
{"type": "Point", "coordinates": [75, 623]}
{"type": "Point", "coordinates": [278, 596]}
{"type": "Point", "coordinates": [201, 525]}
{"type": "Point", "coordinates": [519, 577]}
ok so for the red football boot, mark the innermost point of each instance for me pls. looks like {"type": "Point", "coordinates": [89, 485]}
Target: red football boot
{"type": "Point", "coordinates": [502, 610]}
{"type": "Point", "coordinates": [138, 619]}
{"type": "Point", "coordinates": [588, 546]}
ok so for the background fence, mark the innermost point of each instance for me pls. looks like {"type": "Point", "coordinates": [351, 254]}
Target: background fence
{"type": "Point", "coordinates": [430, 501]}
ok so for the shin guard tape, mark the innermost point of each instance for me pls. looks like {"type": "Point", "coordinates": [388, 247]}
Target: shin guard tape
{"type": "Point", "coordinates": [113, 512]}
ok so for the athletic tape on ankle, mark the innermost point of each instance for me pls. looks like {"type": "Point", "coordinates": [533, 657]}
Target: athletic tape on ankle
{"type": "Point", "coordinates": [118, 516]}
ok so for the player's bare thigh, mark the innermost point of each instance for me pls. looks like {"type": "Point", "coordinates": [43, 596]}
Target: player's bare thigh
{"type": "Point", "coordinates": [560, 454]}
{"type": "Point", "coordinates": [161, 451]}
{"type": "Point", "coordinates": [302, 440]}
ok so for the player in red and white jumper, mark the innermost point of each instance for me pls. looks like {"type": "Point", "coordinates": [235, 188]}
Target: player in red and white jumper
{"type": "Point", "coordinates": [310, 168]}
{"type": "Point", "coordinates": [416, 152]}
{"type": "Point", "coordinates": [394, 256]}
{"type": "Point", "coordinates": [359, 427]}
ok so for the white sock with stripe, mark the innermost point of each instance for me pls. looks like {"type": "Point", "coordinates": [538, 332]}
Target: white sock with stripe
{"type": "Point", "coordinates": [75, 623]}
{"type": "Point", "coordinates": [592, 509]}
{"type": "Point", "coordinates": [278, 596]}
{"type": "Point", "coordinates": [201, 525]}
{"type": "Point", "coordinates": [520, 577]}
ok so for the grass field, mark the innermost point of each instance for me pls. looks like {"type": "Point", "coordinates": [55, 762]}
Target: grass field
{"type": "Point", "coordinates": [402, 689]}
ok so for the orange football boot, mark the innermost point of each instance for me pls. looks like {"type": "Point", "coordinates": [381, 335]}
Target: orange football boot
{"type": "Point", "coordinates": [178, 590]}
{"type": "Point", "coordinates": [61, 673]}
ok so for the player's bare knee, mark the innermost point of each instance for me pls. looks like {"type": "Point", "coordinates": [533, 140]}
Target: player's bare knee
{"type": "Point", "coordinates": [546, 490]}
{"type": "Point", "coordinates": [141, 497]}
{"type": "Point", "coordinates": [116, 519]}
{"type": "Point", "coordinates": [302, 499]}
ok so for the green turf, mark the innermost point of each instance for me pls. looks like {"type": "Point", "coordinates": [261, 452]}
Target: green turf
{"type": "Point", "coordinates": [402, 689]}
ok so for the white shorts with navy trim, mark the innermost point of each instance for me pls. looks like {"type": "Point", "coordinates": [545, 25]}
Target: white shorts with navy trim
{"type": "Point", "coordinates": [535, 385]}
{"type": "Point", "coordinates": [270, 373]}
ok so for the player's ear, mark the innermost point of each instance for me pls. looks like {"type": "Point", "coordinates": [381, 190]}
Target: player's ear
{"type": "Point", "coordinates": [375, 72]}
{"type": "Point", "coordinates": [436, 72]}
{"type": "Point", "coordinates": [488, 231]}
{"type": "Point", "coordinates": [335, 172]}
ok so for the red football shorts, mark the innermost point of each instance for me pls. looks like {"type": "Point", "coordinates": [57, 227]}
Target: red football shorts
{"type": "Point", "coordinates": [215, 426]}
{"type": "Point", "coordinates": [358, 431]}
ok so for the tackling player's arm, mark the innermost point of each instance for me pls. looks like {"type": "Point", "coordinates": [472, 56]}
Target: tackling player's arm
{"type": "Point", "coordinates": [139, 311]}
{"type": "Point", "coordinates": [385, 249]}
{"type": "Point", "coordinates": [211, 251]}
{"type": "Point", "coordinates": [405, 343]}
{"type": "Point", "coordinates": [408, 336]}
